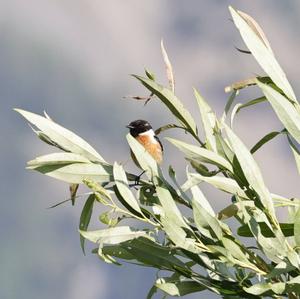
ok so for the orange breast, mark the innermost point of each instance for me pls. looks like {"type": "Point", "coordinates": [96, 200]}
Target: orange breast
{"type": "Point", "coordinates": [154, 149]}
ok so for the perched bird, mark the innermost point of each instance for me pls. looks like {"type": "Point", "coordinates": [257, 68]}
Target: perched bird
{"type": "Point", "coordinates": [142, 131]}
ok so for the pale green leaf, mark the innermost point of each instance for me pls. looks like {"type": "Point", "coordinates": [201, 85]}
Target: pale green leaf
{"type": "Point", "coordinates": [225, 184]}
{"type": "Point", "coordinates": [296, 153]}
{"type": "Point", "coordinates": [122, 185]}
{"type": "Point", "coordinates": [61, 136]}
{"type": "Point", "coordinates": [76, 173]}
{"type": "Point", "coordinates": [168, 65]}
{"type": "Point", "coordinates": [285, 110]}
{"type": "Point", "coordinates": [201, 154]}
{"type": "Point", "coordinates": [250, 169]}
{"type": "Point", "coordinates": [113, 235]}
{"type": "Point", "coordinates": [262, 53]}
{"type": "Point", "coordinates": [209, 120]}
{"type": "Point", "coordinates": [144, 159]}
{"type": "Point", "coordinates": [234, 112]}
{"type": "Point", "coordinates": [199, 198]}
{"type": "Point", "coordinates": [172, 102]}
{"type": "Point", "coordinates": [235, 250]}
{"type": "Point", "coordinates": [297, 227]}
{"type": "Point", "coordinates": [56, 159]}
{"type": "Point", "coordinates": [229, 103]}
{"type": "Point", "coordinates": [179, 236]}
{"type": "Point", "coordinates": [258, 288]}
{"type": "Point", "coordinates": [207, 224]}
{"type": "Point", "coordinates": [169, 206]}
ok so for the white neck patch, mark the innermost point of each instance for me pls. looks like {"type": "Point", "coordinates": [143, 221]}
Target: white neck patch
{"type": "Point", "coordinates": [150, 133]}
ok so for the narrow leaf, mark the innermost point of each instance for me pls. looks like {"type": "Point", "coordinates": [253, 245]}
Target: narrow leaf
{"type": "Point", "coordinates": [209, 121]}
{"type": "Point", "coordinates": [113, 235]}
{"type": "Point", "coordinates": [264, 140]}
{"type": "Point", "coordinates": [287, 230]}
{"type": "Point", "coordinates": [61, 136]}
{"type": "Point", "coordinates": [297, 228]}
{"type": "Point", "coordinates": [144, 159]}
{"type": "Point", "coordinates": [124, 190]}
{"type": "Point", "coordinates": [285, 110]}
{"type": "Point", "coordinates": [250, 169]}
{"type": "Point", "coordinates": [169, 206]}
{"type": "Point", "coordinates": [179, 288]}
{"type": "Point", "coordinates": [197, 153]}
{"type": "Point", "coordinates": [296, 153]}
{"type": "Point", "coordinates": [251, 103]}
{"type": "Point", "coordinates": [262, 52]}
{"type": "Point", "coordinates": [229, 104]}
{"type": "Point", "coordinates": [57, 159]}
{"type": "Point", "coordinates": [225, 184]}
{"type": "Point", "coordinates": [77, 172]}
{"type": "Point", "coordinates": [168, 66]}
{"type": "Point", "coordinates": [172, 102]}
{"type": "Point", "coordinates": [85, 218]}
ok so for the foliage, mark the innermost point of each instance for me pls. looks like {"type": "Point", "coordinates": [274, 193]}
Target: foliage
{"type": "Point", "coordinates": [196, 248]}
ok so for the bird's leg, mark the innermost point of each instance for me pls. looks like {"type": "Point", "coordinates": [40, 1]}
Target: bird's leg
{"type": "Point", "coordinates": [137, 179]}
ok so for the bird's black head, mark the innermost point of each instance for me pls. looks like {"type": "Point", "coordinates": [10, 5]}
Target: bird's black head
{"type": "Point", "coordinates": [138, 126]}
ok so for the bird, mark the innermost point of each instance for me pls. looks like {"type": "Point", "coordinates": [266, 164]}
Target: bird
{"type": "Point", "coordinates": [142, 131]}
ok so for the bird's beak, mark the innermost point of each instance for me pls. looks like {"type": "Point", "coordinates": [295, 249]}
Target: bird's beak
{"type": "Point", "coordinates": [130, 127]}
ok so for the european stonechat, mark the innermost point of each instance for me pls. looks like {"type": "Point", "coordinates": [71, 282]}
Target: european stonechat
{"type": "Point", "coordinates": [142, 131]}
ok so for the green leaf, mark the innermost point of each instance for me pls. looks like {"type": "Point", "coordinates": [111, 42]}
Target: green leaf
{"type": "Point", "coordinates": [233, 113]}
{"type": "Point", "coordinates": [258, 288]}
{"type": "Point", "coordinates": [61, 136]}
{"type": "Point", "coordinates": [264, 140]}
{"type": "Point", "coordinates": [179, 236]}
{"type": "Point", "coordinates": [209, 120]}
{"type": "Point", "coordinates": [206, 223]}
{"type": "Point", "coordinates": [77, 172]}
{"type": "Point", "coordinates": [251, 102]}
{"type": "Point", "coordinates": [235, 250]}
{"type": "Point", "coordinates": [117, 251]}
{"type": "Point", "coordinates": [85, 218]}
{"type": "Point", "coordinates": [250, 170]}
{"type": "Point", "coordinates": [296, 153]}
{"type": "Point", "coordinates": [113, 235]}
{"type": "Point", "coordinates": [150, 74]}
{"type": "Point", "coordinates": [287, 230]}
{"type": "Point", "coordinates": [198, 197]}
{"type": "Point", "coordinates": [225, 184]}
{"type": "Point", "coordinates": [285, 110]}
{"type": "Point", "coordinates": [223, 147]}
{"type": "Point", "coordinates": [229, 104]}
{"type": "Point", "coordinates": [144, 159]}
{"type": "Point", "coordinates": [151, 253]}
{"type": "Point", "coordinates": [201, 154]}
{"type": "Point", "coordinates": [98, 189]}
{"type": "Point", "coordinates": [262, 52]}
{"type": "Point", "coordinates": [124, 190]}
{"type": "Point", "coordinates": [172, 102]}
{"type": "Point", "coordinates": [105, 218]}
{"type": "Point", "coordinates": [169, 206]}
{"type": "Point", "coordinates": [234, 209]}
{"type": "Point", "coordinates": [56, 159]}
{"type": "Point", "coordinates": [179, 287]}
{"type": "Point", "coordinates": [297, 227]}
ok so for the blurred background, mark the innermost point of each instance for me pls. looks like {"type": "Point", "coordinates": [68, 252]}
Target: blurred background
{"type": "Point", "coordinates": [73, 59]}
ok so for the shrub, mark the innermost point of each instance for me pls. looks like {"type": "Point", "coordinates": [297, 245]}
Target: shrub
{"type": "Point", "coordinates": [196, 249]}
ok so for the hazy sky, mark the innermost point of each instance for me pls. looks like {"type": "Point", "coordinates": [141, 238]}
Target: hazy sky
{"type": "Point", "coordinates": [73, 59]}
